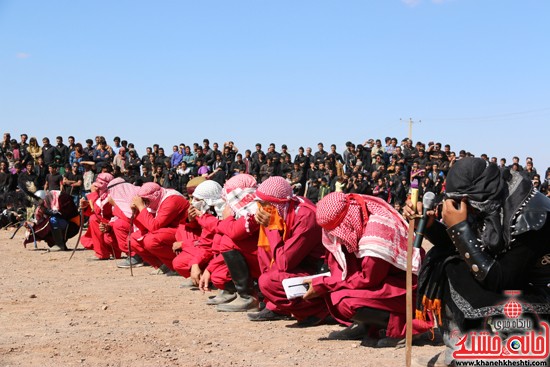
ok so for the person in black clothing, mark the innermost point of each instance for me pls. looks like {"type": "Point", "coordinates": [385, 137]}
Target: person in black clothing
{"type": "Point", "coordinates": [490, 220]}
{"type": "Point", "coordinates": [144, 177]}
{"type": "Point", "coordinates": [301, 159]}
{"type": "Point", "coordinates": [273, 154]}
{"type": "Point", "coordinates": [267, 170]}
{"type": "Point", "coordinates": [4, 177]}
{"type": "Point", "coordinates": [23, 145]}
{"type": "Point", "coordinates": [248, 161]}
{"type": "Point", "coordinates": [320, 155]}
{"type": "Point", "coordinates": [228, 158]}
{"type": "Point", "coordinates": [41, 171]}
{"type": "Point", "coordinates": [297, 179]}
{"type": "Point", "coordinates": [48, 151]}
{"type": "Point", "coordinates": [161, 158]}
{"type": "Point", "coordinates": [62, 150]}
{"type": "Point", "coordinates": [145, 157]}
{"type": "Point", "coordinates": [28, 181]}
{"type": "Point", "coordinates": [257, 152]}
{"type": "Point", "coordinates": [422, 159]}
{"type": "Point", "coordinates": [256, 166]}
{"type": "Point", "coordinates": [71, 145]}
{"type": "Point", "coordinates": [134, 163]}
{"type": "Point", "coordinates": [158, 174]}
{"type": "Point", "coordinates": [170, 180]}
{"type": "Point", "coordinates": [334, 155]}
{"type": "Point", "coordinates": [88, 151]}
{"type": "Point", "coordinates": [14, 177]}
{"type": "Point", "coordinates": [285, 165]}
{"type": "Point", "coordinates": [238, 166]}
{"type": "Point", "coordinates": [363, 154]}
{"type": "Point", "coordinates": [313, 192]}
{"type": "Point", "coordinates": [219, 172]}
{"type": "Point", "coordinates": [54, 181]}
{"type": "Point", "coordinates": [284, 152]}
{"type": "Point", "coordinates": [312, 174]}
{"type": "Point", "coordinates": [360, 184]}
{"type": "Point", "coordinates": [73, 182]}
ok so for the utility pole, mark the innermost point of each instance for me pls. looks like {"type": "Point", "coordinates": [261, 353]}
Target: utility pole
{"type": "Point", "coordinates": [411, 122]}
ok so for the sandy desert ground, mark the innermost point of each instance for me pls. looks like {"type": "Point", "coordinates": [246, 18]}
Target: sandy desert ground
{"type": "Point", "coordinates": [89, 313]}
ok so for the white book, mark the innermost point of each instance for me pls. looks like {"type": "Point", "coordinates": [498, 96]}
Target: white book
{"type": "Point", "coordinates": [295, 287]}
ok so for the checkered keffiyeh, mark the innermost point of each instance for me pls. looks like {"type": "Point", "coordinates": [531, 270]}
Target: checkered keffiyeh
{"type": "Point", "coordinates": [152, 192]}
{"type": "Point", "coordinates": [366, 226]}
{"type": "Point", "coordinates": [123, 193]}
{"type": "Point", "coordinates": [239, 193]}
{"type": "Point", "coordinates": [278, 192]}
{"type": "Point", "coordinates": [101, 183]}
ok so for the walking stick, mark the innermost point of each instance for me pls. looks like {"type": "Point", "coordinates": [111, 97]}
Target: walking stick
{"type": "Point", "coordinates": [130, 243]}
{"type": "Point", "coordinates": [79, 233]}
{"type": "Point", "coordinates": [409, 294]}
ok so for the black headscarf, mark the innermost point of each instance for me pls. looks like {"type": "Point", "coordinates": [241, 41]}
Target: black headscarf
{"type": "Point", "coordinates": [480, 182]}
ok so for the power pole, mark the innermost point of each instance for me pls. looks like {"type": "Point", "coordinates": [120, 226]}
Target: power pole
{"type": "Point", "coordinates": [411, 122]}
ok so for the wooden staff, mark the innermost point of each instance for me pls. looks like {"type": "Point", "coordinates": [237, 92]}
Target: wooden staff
{"type": "Point", "coordinates": [409, 294]}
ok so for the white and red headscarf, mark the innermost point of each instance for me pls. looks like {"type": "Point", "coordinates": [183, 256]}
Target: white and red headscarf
{"type": "Point", "coordinates": [101, 183]}
{"type": "Point", "coordinates": [366, 226]}
{"type": "Point", "coordinates": [152, 192]}
{"type": "Point", "coordinates": [278, 192]}
{"type": "Point", "coordinates": [122, 193]}
{"type": "Point", "coordinates": [239, 193]}
{"type": "Point", "coordinates": [209, 194]}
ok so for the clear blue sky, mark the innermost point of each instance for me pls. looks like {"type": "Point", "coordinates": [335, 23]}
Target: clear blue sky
{"type": "Point", "coordinates": [296, 72]}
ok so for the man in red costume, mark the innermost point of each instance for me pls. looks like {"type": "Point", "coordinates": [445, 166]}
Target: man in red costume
{"type": "Point", "coordinates": [195, 239]}
{"type": "Point", "coordinates": [289, 246]}
{"type": "Point", "coordinates": [121, 195]}
{"type": "Point", "coordinates": [159, 211]}
{"type": "Point", "coordinates": [367, 244]}
{"type": "Point", "coordinates": [235, 266]}
{"type": "Point", "coordinates": [99, 236]}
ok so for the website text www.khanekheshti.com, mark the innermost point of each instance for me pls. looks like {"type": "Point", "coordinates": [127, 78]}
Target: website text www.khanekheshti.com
{"type": "Point", "coordinates": [498, 363]}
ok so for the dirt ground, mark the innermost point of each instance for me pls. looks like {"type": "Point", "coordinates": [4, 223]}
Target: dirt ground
{"type": "Point", "coordinates": [89, 313]}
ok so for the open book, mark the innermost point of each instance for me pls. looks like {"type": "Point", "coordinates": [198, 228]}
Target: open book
{"type": "Point", "coordinates": [295, 287]}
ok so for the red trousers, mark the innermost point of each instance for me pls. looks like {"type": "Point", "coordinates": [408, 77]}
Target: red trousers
{"type": "Point", "coordinates": [271, 286]}
{"type": "Point", "coordinates": [103, 244]}
{"type": "Point", "coordinates": [155, 248]}
{"type": "Point", "coordinates": [190, 255]}
{"type": "Point", "coordinates": [121, 228]}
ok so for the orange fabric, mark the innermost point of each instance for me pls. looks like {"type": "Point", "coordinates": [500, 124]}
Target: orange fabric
{"type": "Point", "coordinates": [429, 305]}
{"type": "Point", "coordinates": [75, 220]}
{"type": "Point", "coordinates": [275, 222]}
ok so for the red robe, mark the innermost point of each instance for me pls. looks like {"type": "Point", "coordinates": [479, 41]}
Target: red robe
{"type": "Point", "coordinates": [104, 244]}
{"type": "Point", "coordinates": [370, 282]}
{"type": "Point", "coordinates": [235, 236]}
{"type": "Point", "coordinates": [299, 255]}
{"type": "Point", "coordinates": [157, 232]}
{"type": "Point", "coordinates": [121, 228]}
{"type": "Point", "coordinates": [197, 239]}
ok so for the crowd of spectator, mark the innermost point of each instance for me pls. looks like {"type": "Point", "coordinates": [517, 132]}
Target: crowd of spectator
{"type": "Point", "coordinates": [386, 169]}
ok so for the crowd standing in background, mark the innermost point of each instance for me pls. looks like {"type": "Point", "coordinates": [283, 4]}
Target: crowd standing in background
{"type": "Point", "coordinates": [386, 169]}
{"type": "Point", "coordinates": [244, 222]}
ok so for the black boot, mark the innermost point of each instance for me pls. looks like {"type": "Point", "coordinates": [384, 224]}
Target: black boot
{"type": "Point", "coordinates": [238, 268]}
{"type": "Point", "coordinates": [58, 240]}
{"type": "Point", "coordinates": [364, 318]}
{"type": "Point", "coordinates": [372, 317]}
